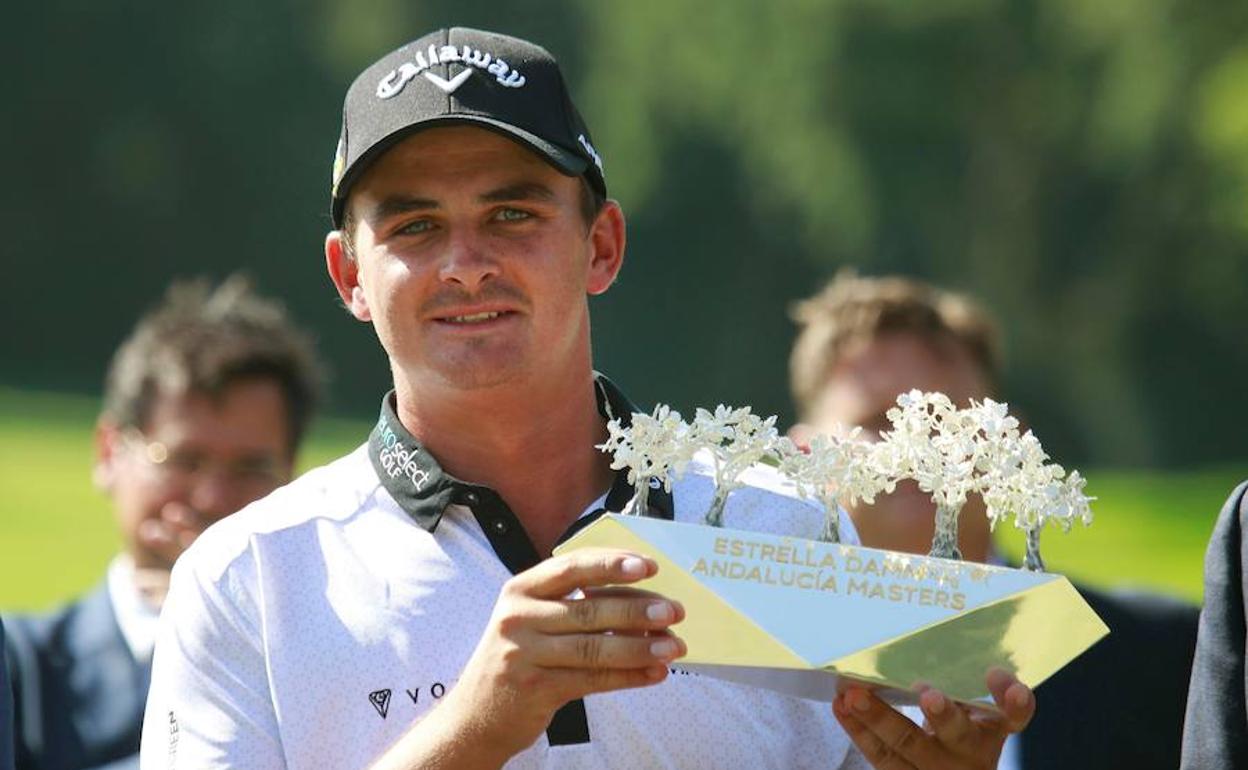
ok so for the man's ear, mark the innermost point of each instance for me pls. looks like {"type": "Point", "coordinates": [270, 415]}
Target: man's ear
{"type": "Point", "coordinates": [800, 434]}
{"type": "Point", "coordinates": [345, 273]}
{"type": "Point", "coordinates": [107, 455]}
{"type": "Point", "coordinates": [606, 237]}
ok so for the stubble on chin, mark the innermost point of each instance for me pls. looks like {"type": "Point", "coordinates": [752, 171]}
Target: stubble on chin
{"type": "Point", "coordinates": [475, 365]}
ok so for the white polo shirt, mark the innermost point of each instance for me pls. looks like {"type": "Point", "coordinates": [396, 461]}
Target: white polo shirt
{"type": "Point", "coordinates": [316, 626]}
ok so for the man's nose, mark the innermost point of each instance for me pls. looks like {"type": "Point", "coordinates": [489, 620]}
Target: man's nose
{"type": "Point", "coordinates": [215, 494]}
{"type": "Point", "coordinates": [466, 263]}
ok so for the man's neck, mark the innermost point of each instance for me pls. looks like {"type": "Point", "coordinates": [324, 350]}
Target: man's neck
{"type": "Point", "coordinates": [533, 443]}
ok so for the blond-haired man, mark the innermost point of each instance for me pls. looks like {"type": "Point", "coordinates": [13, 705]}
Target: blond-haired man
{"type": "Point", "coordinates": [862, 341]}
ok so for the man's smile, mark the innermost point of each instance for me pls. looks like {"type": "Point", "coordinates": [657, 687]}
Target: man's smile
{"type": "Point", "coordinates": [475, 318]}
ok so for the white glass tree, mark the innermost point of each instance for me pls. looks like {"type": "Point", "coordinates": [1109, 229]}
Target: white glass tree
{"type": "Point", "coordinates": [656, 446]}
{"type": "Point", "coordinates": [952, 453]}
{"type": "Point", "coordinates": [736, 439]}
{"type": "Point", "coordinates": [836, 472]}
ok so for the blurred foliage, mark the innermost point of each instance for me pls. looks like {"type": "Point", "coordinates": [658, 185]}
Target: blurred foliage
{"type": "Point", "coordinates": [1082, 167]}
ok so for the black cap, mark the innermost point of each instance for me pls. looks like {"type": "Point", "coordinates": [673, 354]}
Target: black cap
{"type": "Point", "coordinates": [462, 76]}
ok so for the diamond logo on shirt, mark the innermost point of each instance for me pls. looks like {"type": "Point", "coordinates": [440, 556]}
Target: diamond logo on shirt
{"type": "Point", "coordinates": [381, 701]}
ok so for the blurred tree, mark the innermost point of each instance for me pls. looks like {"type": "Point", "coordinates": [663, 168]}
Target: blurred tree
{"type": "Point", "coordinates": [1080, 166]}
{"type": "Point", "coordinates": [1083, 167]}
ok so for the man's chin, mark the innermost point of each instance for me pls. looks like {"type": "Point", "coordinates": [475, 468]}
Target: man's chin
{"type": "Point", "coordinates": [481, 375]}
{"type": "Point", "coordinates": [906, 537]}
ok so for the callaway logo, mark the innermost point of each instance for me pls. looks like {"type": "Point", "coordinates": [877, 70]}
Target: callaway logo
{"type": "Point", "coordinates": [396, 79]}
{"type": "Point", "coordinates": [448, 86]}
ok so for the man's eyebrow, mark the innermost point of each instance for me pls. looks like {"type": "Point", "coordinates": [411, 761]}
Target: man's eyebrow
{"type": "Point", "coordinates": [521, 191]}
{"type": "Point", "coordinates": [396, 205]}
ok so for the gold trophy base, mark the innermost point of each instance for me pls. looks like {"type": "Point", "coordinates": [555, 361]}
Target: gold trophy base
{"type": "Point", "coordinates": [806, 618]}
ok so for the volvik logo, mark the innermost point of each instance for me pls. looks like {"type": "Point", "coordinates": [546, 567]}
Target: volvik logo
{"type": "Point", "coordinates": [380, 699]}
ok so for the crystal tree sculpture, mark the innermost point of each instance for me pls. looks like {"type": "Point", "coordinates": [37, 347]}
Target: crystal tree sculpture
{"type": "Point", "coordinates": [1018, 480]}
{"type": "Point", "coordinates": [952, 453]}
{"type": "Point", "coordinates": [834, 471]}
{"type": "Point", "coordinates": [736, 439]}
{"type": "Point", "coordinates": [929, 444]}
{"type": "Point", "coordinates": [656, 446]}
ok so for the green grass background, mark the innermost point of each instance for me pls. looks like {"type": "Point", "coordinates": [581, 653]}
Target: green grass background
{"type": "Point", "coordinates": [57, 532]}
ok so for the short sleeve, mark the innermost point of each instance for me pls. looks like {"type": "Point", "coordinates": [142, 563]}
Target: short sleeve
{"type": "Point", "coordinates": [209, 705]}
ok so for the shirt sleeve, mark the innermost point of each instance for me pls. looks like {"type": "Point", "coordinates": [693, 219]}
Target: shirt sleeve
{"type": "Point", "coordinates": [209, 705]}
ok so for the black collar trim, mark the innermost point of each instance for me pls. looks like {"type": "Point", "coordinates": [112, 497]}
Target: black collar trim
{"type": "Point", "coordinates": [424, 490]}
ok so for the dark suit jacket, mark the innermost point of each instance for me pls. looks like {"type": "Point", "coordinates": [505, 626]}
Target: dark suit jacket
{"type": "Point", "coordinates": [1216, 731]}
{"type": "Point", "coordinates": [78, 690]}
{"type": "Point", "coordinates": [1119, 705]}
{"type": "Point", "coordinates": [6, 714]}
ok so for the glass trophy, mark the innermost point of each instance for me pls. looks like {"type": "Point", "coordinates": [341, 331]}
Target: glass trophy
{"type": "Point", "coordinates": [807, 616]}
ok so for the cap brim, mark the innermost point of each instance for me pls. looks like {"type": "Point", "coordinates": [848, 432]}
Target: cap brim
{"type": "Point", "coordinates": [564, 160]}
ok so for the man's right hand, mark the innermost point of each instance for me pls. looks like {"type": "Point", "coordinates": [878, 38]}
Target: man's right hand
{"type": "Point", "coordinates": [167, 536]}
{"type": "Point", "coordinates": [557, 634]}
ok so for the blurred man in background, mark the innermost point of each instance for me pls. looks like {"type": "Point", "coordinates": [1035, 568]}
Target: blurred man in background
{"type": "Point", "coordinates": [862, 341]}
{"type": "Point", "coordinates": [204, 407]}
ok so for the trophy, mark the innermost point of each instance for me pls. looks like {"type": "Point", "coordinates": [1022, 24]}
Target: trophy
{"type": "Point", "coordinates": [805, 616]}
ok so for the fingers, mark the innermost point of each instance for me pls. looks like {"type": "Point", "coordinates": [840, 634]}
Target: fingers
{"type": "Point", "coordinates": [609, 627]}
{"type": "Point", "coordinates": [1015, 699]}
{"type": "Point", "coordinates": [172, 532]}
{"type": "Point", "coordinates": [557, 577]}
{"type": "Point", "coordinates": [581, 682]}
{"type": "Point", "coordinates": [639, 612]}
{"type": "Point", "coordinates": [949, 722]}
{"type": "Point", "coordinates": [608, 651]}
{"type": "Point", "coordinates": [886, 738]}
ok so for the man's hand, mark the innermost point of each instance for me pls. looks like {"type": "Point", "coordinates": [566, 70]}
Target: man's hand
{"type": "Point", "coordinates": [953, 736]}
{"type": "Point", "coordinates": [172, 532]}
{"type": "Point", "coordinates": [542, 649]}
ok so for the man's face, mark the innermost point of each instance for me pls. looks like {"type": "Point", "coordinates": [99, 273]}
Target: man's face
{"type": "Point", "coordinates": [197, 460]}
{"type": "Point", "coordinates": [861, 389]}
{"type": "Point", "coordinates": [473, 260]}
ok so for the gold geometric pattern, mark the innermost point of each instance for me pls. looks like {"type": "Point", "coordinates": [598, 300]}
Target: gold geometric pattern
{"type": "Point", "coordinates": [1031, 624]}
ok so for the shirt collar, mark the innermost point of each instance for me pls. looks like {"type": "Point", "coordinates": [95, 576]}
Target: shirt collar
{"type": "Point", "coordinates": [424, 490]}
{"type": "Point", "coordinates": [136, 614]}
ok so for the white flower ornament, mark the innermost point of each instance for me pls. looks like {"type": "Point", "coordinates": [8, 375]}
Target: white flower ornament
{"type": "Point", "coordinates": [736, 439]}
{"type": "Point", "coordinates": [953, 453]}
{"type": "Point", "coordinates": [653, 448]}
{"type": "Point", "coordinates": [834, 471]}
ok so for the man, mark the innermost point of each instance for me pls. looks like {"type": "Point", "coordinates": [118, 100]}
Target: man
{"type": "Point", "coordinates": [865, 340]}
{"type": "Point", "coordinates": [397, 608]}
{"type": "Point", "coordinates": [204, 406]}
{"type": "Point", "coordinates": [1216, 731]}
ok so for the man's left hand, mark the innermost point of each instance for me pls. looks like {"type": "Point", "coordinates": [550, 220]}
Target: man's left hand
{"type": "Point", "coordinates": [953, 736]}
